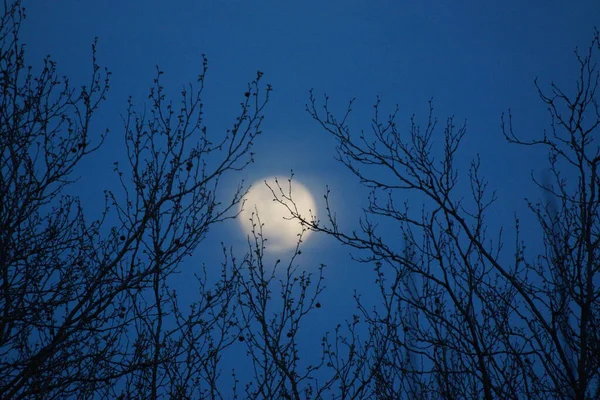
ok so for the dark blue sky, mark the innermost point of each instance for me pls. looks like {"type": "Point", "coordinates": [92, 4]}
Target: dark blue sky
{"type": "Point", "coordinates": [476, 59]}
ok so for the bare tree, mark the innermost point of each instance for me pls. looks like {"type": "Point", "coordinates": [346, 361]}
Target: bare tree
{"type": "Point", "coordinates": [462, 317]}
{"type": "Point", "coordinates": [86, 301]}
{"type": "Point", "coordinates": [565, 334]}
{"type": "Point", "coordinates": [276, 297]}
{"type": "Point", "coordinates": [87, 310]}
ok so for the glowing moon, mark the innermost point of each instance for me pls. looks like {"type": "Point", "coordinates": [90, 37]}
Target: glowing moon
{"type": "Point", "coordinates": [280, 231]}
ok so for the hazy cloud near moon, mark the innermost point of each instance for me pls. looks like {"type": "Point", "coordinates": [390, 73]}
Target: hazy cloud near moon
{"type": "Point", "coordinates": [280, 231]}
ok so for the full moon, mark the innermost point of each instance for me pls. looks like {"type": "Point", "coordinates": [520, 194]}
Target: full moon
{"type": "Point", "coordinates": [279, 229]}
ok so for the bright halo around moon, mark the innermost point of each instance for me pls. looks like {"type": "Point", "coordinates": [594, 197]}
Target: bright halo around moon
{"type": "Point", "coordinates": [280, 231]}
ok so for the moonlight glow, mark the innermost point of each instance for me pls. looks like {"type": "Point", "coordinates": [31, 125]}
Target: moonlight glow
{"type": "Point", "coordinates": [280, 231]}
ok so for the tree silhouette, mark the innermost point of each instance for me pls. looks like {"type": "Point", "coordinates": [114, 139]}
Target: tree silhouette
{"type": "Point", "coordinates": [86, 306]}
{"type": "Point", "coordinates": [459, 318]}
{"type": "Point", "coordinates": [88, 309]}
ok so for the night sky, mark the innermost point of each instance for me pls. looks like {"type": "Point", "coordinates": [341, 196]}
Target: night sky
{"type": "Point", "coordinates": [475, 59]}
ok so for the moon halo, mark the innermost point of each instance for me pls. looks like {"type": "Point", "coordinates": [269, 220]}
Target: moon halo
{"type": "Point", "coordinates": [278, 228]}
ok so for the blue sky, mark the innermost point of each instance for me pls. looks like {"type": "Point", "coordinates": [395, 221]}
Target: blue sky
{"type": "Point", "coordinates": [476, 59]}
